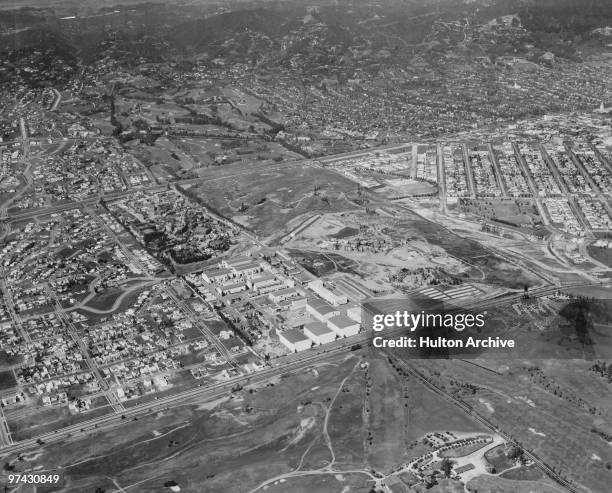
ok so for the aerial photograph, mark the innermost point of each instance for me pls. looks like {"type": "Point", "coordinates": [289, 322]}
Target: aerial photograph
{"type": "Point", "coordinates": [306, 246]}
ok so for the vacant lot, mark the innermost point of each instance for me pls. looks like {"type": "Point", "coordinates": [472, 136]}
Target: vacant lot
{"type": "Point", "coordinates": [486, 265]}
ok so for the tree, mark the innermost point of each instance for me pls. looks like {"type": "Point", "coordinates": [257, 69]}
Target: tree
{"type": "Point", "coordinates": [515, 453]}
{"type": "Point", "coordinates": [447, 466]}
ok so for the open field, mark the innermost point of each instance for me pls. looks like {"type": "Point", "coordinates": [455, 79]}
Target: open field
{"type": "Point", "coordinates": [315, 483]}
{"type": "Point", "coordinates": [515, 212]}
{"type": "Point", "coordinates": [533, 401]}
{"type": "Point", "coordinates": [492, 484]}
{"type": "Point", "coordinates": [231, 447]}
{"type": "Point", "coordinates": [267, 201]}
{"type": "Point", "coordinates": [603, 255]}
{"type": "Point", "coordinates": [210, 152]}
{"type": "Point", "coordinates": [498, 458]}
{"type": "Point", "coordinates": [485, 264]}
{"type": "Point", "coordinates": [7, 380]}
{"type": "Point", "coordinates": [104, 300]}
{"type": "Point", "coordinates": [387, 417]}
{"type": "Point", "coordinates": [358, 418]}
{"type": "Point", "coordinates": [44, 420]}
{"type": "Point", "coordinates": [524, 473]}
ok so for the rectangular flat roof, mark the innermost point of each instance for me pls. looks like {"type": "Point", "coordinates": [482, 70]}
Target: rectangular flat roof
{"type": "Point", "coordinates": [317, 328]}
{"type": "Point", "coordinates": [238, 260]}
{"type": "Point", "coordinates": [342, 321]}
{"type": "Point", "coordinates": [262, 277]}
{"type": "Point", "coordinates": [216, 271]}
{"type": "Point", "coordinates": [284, 291]}
{"type": "Point", "coordinates": [321, 306]}
{"type": "Point", "coordinates": [294, 336]}
{"type": "Point", "coordinates": [247, 266]}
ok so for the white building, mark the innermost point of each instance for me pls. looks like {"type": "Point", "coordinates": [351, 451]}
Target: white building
{"type": "Point", "coordinates": [247, 270]}
{"type": "Point", "coordinates": [353, 311]}
{"type": "Point", "coordinates": [319, 333]}
{"type": "Point", "coordinates": [328, 294]}
{"type": "Point", "coordinates": [261, 281]}
{"type": "Point", "coordinates": [217, 275]}
{"type": "Point", "coordinates": [283, 294]}
{"type": "Point", "coordinates": [232, 288]}
{"type": "Point", "coordinates": [343, 326]}
{"type": "Point", "coordinates": [321, 310]}
{"type": "Point", "coordinates": [294, 340]}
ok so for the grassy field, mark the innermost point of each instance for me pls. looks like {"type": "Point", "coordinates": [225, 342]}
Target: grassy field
{"type": "Point", "coordinates": [105, 299]}
{"type": "Point", "coordinates": [321, 264]}
{"type": "Point", "coordinates": [550, 413]}
{"type": "Point", "coordinates": [7, 361]}
{"type": "Point", "coordinates": [266, 201]}
{"type": "Point", "coordinates": [47, 419]}
{"type": "Point", "coordinates": [7, 380]}
{"type": "Point", "coordinates": [346, 423]}
{"type": "Point", "coordinates": [524, 473]}
{"type": "Point", "coordinates": [498, 459]}
{"type": "Point", "coordinates": [402, 413]}
{"type": "Point", "coordinates": [492, 484]}
{"type": "Point", "coordinates": [356, 483]}
{"type": "Point", "coordinates": [254, 435]}
{"type": "Point", "coordinates": [516, 212]}
{"type": "Point", "coordinates": [376, 420]}
{"type": "Point", "coordinates": [604, 255]}
{"type": "Point", "coordinates": [387, 418]}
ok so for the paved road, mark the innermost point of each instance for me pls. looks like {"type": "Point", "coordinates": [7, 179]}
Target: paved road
{"type": "Point", "coordinates": [282, 365]}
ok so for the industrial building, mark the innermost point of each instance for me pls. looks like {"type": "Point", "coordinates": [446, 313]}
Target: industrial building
{"type": "Point", "coordinates": [343, 326]}
{"type": "Point", "coordinates": [321, 310]}
{"type": "Point", "coordinates": [294, 340]}
{"type": "Point", "coordinates": [329, 294]}
{"type": "Point", "coordinates": [319, 333]}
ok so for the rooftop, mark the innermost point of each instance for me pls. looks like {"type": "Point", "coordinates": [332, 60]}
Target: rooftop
{"type": "Point", "coordinates": [317, 328]}
{"type": "Point", "coordinates": [294, 336]}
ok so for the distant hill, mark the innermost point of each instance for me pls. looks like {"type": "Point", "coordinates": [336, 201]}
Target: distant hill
{"type": "Point", "coordinates": [202, 33]}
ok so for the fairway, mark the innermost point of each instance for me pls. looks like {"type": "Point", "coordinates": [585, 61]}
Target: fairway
{"type": "Point", "coordinates": [265, 201]}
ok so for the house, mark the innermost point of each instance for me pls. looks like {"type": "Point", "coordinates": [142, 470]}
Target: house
{"type": "Point", "coordinates": [343, 326]}
{"type": "Point", "coordinates": [319, 333]}
{"type": "Point", "coordinates": [294, 340]}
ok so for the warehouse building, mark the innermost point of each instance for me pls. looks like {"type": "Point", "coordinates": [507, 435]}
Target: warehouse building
{"type": "Point", "coordinates": [343, 326]}
{"type": "Point", "coordinates": [319, 333]}
{"type": "Point", "coordinates": [294, 340]}
{"type": "Point", "coordinates": [321, 310]}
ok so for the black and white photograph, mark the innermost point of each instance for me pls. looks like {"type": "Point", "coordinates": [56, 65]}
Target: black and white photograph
{"type": "Point", "coordinates": [306, 246]}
